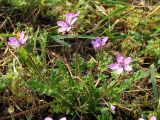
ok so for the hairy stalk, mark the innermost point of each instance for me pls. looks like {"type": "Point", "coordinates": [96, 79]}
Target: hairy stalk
{"type": "Point", "coordinates": [77, 59]}
{"type": "Point", "coordinates": [99, 57]}
{"type": "Point", "coordinates": [36, 69]}
{"type": "Point", "coordinates": [25, 112]}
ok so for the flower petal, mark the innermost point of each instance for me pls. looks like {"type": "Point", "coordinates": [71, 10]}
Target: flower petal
{"type": "Point", "coordinates": [113, 107]}
{"type": "Point", "coordinates": [97, 39]}
{"type": "Point", "coordinates": [48, 118]}
{"type": "Point", "coordinates": [153, 118]}
{"type": "Point", "coordinates": [73, 21]}
{"type": "Point", "coordinates": [68, 28]}
{"type": "Point", "coordinates": [119, 70]}
{"type": "Point", "coordinates": [13, 42]}
{"type": "Point", "coordinates": [23, 41]}
{"type": "Point", "coordinates": [128, 60]}
{"type": "Point", "coordinates": [64, 118]}
{"type": "Point", "coordinates": [104, 40]}
{"type": "Point", "coordinates": [75, 15]}
{"type": "Point", "coordinates": [61, 23]}
{"type": "Point", "coordinates": [12, 39]}
{"type": "Point", "coordinates": [69, 17]}
{"type": "Point", "coordinates": [95, 44]}
{"type": "Point", "coordinates": [127, 68]}
{"type": "Point", "coordinates": [119, 57]}
{"type": "Point", "coordinates": [62, 29]}
{"type": "Point", "coordinates": [114, 66]}
{"type": "Point", "coordinates": [141, 119]}
{"type": "Point", "coordinates": [22, 35]}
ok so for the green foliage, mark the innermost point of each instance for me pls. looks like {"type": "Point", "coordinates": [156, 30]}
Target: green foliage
{"type": "Point", "coordinates": [23, 55]}
{"type": "Point", "coordinates": [31, 3]}
{"type": "Point", "coordinates": [104, 59]}
{"type": "Point", "coordinates": [72, 94]}
{"type": "Point", "coordinates": [5, 81]}
{"type": "Point", "coordinates": [78, 61]}
{"type": "Point", "coordinates": [79, 94]}
{"type": "Point", "coordinates": [40, 87]}
{"type": "Point", "coordinates": [153, 48]}
{"type": "Point", "coordinates": [128, 82]}
{"type": "Point", "coordinates": [154, 83]}
{"type": "Point", "coordinates": [105, 114]}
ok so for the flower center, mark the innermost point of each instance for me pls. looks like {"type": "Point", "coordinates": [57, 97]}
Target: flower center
{"type": "Point", "coordinates": [121, 64]}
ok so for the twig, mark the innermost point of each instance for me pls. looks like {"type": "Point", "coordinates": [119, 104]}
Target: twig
{"type": "Point", "coordinates": [25, 112]}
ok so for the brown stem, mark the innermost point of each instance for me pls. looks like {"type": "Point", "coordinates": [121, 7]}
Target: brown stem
{"type": "Point", "coordinates": [77, 64]}
{"type": "Point", "coordinates": [25, 112]}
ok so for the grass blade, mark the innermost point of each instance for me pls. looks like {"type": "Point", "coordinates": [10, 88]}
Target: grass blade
{"type": "Point", "coordinates": [153, 79]}
{"type": "Point", "coordinates": [158, 110]}
{"type": "Point", "coordinates": [111, 2]}
{"type": "Point", "coordinates": [113, 13]}
{"type": "Point", "coordinates": [57, 39]}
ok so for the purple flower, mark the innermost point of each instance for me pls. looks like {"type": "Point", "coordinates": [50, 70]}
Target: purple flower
{"type": "Point", "coordinates": [18, 41]}
{"type": "Point", "coordinates": [153, 118]}
{"type": "Point", "coordinates": [48, 118]}
{"type": "Point", "coordinates": [68, 23]}
{"type": "Point", "coordinates": [113, 108]}
{"type": "Point", "coordinates": [98, 42]}
{"type": "Point", "coordinates": [64, 118]}
{"type": "Point", "coordinates": [121, 64]}
{"type": "Point", "coordinates": [141, 119]}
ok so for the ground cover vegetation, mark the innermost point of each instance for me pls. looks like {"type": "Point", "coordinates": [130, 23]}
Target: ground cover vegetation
{"type": "Point", "coordinates": [79, 60]}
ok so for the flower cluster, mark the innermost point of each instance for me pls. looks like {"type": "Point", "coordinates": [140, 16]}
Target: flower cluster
{"type": "Point", "coordinates": [122, 63]}
{"type": "Point", "coordinates": [66, 25]}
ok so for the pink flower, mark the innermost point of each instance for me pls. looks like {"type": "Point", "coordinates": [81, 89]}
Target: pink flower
{"type": "Point", "coordinates": [98, 42]}
{"type": "Point", "coordinates": [68, 23]}
{"type": "Point", "coordinates": [121, 64]}
{"type": "Point", "coordinates": [113, 108]}
{"type": "Point", "coordinates": [48, 118]}
{"type": "Point", "coordinates": [153, 118]}
{"type": "Point", "coordinates": [18, 41]}
{"type": "Point", "coordinates": [64, 118]}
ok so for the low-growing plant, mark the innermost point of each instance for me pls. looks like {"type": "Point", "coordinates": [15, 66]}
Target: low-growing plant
{"type": "Point", "coordinates": [101, 85]}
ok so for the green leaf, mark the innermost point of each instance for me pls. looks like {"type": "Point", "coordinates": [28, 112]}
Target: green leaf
{"type": "Point", "coordinates": [5, 34]}
{"type": "Point", "coordinates": [153, 79]}
{"type": "Point", "coordinates": [59, 40]}
{"type": "Point", "coordinates": [111, 2]}
{"type": "Point", "coordinates": [158, 110]}
{"type": "Point", "coordinates": [113, 13]}
{"type": "Point", "coordinates": [1, 43]}
{"type": "Point", "coordinates": [60, 37]}
{"type": "Point", "coordinates": [40, 87]}
{"type": "Point", "coordinates": [128, 82]}
{"type": "Point", "coordinates": [23, 55]}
